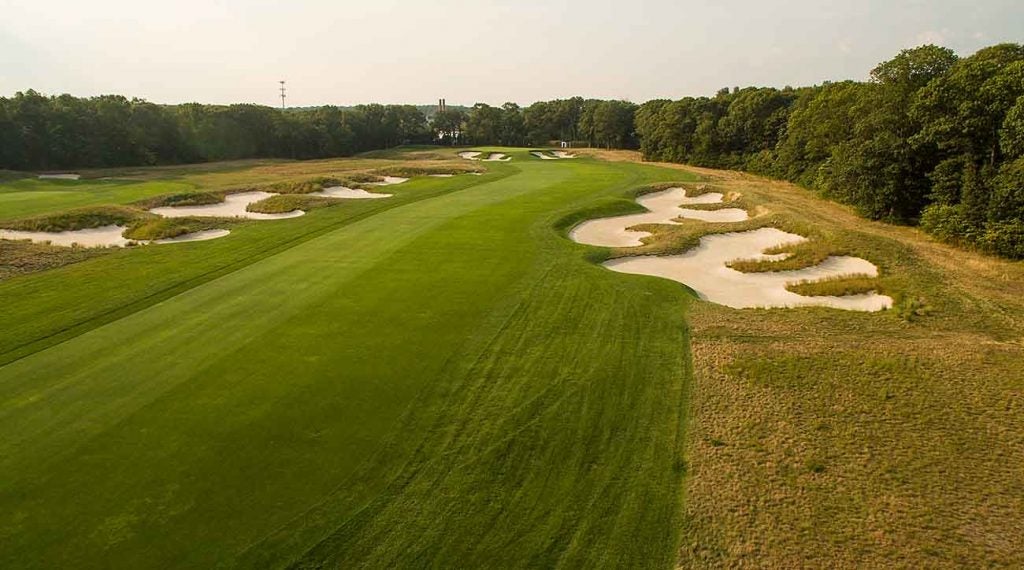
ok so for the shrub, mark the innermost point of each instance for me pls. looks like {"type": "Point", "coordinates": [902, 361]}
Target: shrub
{"type": "Point", "coordinates": [1004, 238]}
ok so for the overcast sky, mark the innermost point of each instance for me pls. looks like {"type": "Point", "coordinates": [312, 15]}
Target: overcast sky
{"type": "Point", "coordinates": [415, 51]}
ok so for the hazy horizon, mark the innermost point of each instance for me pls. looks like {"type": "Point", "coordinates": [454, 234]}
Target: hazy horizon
{"type": "Point", "coordinates": [388, 51]}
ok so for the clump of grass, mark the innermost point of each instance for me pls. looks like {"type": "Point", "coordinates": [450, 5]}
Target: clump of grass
{"type": "Point", "coordinates": [413, 171]}
{"type": "Point", "coordinates": [801, 255]}
{"type": "Point", "coordinates": [182, 199]}
{"type": "Point", "coordinates": [162, 228]}
{"type": "Point", "coordinates": [910, 308]}
{"type": "Point", "coordinates": [283, 203]}
{"type": "Point", "coordinates": [837, 286]}
{"type": "Point", "coordinates": [306, 186]}
{"type": "Point", "coordinates": [79, 219]}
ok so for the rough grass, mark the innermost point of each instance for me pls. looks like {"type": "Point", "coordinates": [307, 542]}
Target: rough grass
{"type": "Point", "coordinates": [181, 199]}
{"type": "Point", "coordinates": [162, 228]}
{"type": "Point", "coordinates": [823, 438]}
{"type": "Point", "coordinates": [838, 286]}
{"type": "Point", "coordinates": [282, 203]}
{"type": "Point", "coordinates": [22, 257]}
{"type": "Point", "coordinates": [79, 219]}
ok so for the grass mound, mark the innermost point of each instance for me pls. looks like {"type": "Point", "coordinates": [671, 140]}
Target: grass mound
{"type": "Point", "coordinates": [836, 286]}
{"type": "Point", "coordinates": [79, 219]}
{"type": "Point", "coordinates": [163, 228]}
{"type": "Point", "coordinates": [182, 199]}
{"type": "Point", "coordinates": [282, 203]}
{"type": "Point", "coordinates": [413, 171]}
{"type": "Point", "coordinates": [21, 257]}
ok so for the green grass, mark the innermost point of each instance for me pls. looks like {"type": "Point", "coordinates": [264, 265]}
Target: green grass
{"type": "Point", "coordinates": [78, 219]}
{"type": "Point", "coordinates": [436, 379]}
{"type": "Point", "coordinates": [31, 197]}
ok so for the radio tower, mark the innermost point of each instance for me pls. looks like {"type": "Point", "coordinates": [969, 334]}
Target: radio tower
{"type": "Point", "coordinates": [282, 94]}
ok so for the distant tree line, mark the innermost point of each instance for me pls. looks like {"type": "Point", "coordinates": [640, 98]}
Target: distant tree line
{"type": "Point", "coordinates": [930, 139]}
{"type": "Point", "coordinates": [40, 133]}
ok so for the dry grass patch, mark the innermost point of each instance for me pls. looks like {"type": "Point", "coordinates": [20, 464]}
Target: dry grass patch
{"type": "Point", "coordinates": [831, 439]}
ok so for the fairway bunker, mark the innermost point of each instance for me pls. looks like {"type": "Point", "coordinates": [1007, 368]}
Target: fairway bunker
{"type": "Point", "coordinates": [342, 192]}
{"type": "Point", "coordinates": [388, 181]}
{"type": "Point", "coordinates": [664, 208]}
{"type": "Point", "coordinates": [705, 268]}
{"type": "Point", "coordinates": [59, 176]}
{"type": "Point", "coordinates": [552, 154]}
{"type": "Point", "coordinates": [233, 206]}
{"type": "Point", "coordinates": [104, 236]}
{"type": "Point", "coordinates": [491, 157]}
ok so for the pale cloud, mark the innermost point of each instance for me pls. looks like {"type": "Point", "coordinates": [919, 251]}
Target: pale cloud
{"type": "Point", "coordinates": [935, 37]}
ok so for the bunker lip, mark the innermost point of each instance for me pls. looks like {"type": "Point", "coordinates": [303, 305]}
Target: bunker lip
{"type": "Point", "coordinates": [233, 206]}
{"type": "Point", "coordinates": [104, 236]}
{"type": "Point", "coordinates": [203, 235]}
{"type": "Point", "coordinates": [705, 268]}
{"type": "Point", "coordinates": [552, 154]}
{"type": "Point", "coordinates": [388, 181]}
{"type": "Point", "coordinates": [59, 176]}
{"type": "Point", "coordinates": [470, 155]}
{"type": "Point", "coordinates": [664, 208]}
{"type": "Point", "coordinates": [543, 155]}
{"type": "Point", "coordinates": [344, 193]}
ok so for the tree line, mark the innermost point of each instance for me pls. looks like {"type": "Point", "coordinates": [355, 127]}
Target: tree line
{"type": "Point", "coordinates": [38, 132]}
{"type": "Point", "coordinates": [931, 138]}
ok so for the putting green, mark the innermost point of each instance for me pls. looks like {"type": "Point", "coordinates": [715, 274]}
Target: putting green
{"type": "Point", "coordinates": [444, 381]}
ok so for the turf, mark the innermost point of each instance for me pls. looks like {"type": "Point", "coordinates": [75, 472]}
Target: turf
{"type": "Point", "coordinates": [31, 197]}
{"type": "Point", "coordinates": [436, 379]}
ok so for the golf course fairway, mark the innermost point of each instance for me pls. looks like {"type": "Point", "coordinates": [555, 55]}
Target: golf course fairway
{"type": "Point", "coordinates": [441, 379]}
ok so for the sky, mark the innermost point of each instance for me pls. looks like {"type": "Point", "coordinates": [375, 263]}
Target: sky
{"type": "Point", "coordinates": [344, 52]}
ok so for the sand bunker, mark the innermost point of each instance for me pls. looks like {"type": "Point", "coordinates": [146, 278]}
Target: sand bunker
{"type": "Point", "coordinates": [552, 155]}
{"type": "Point", "coordinates": [703, 269]}
{"type": "Point", "coordinates": [664, 208]}
{"type": "Point", "coordinates": [349, 193]}
{"type": "Point", "coordinates": [59, 176]}
{"type": "Point", "coordinates": [195, 236]}
{"type": "Point", "coordinates": [233, 206]}
{"type": "Point", "coordinates": [388, 181]}
{"type": "Point", "coordinates": [105, 236]}
{"type": "Point", "coordinates": [441, 175]}
{"type": "Point", "coordinates": [492, 157]}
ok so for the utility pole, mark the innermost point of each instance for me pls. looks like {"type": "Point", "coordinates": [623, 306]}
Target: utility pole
{"type": "Point", "coordinates": [282, 94]}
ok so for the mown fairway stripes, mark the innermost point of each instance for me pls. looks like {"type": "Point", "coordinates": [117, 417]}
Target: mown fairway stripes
{"type": "Point", "coordinates": [446, 383]}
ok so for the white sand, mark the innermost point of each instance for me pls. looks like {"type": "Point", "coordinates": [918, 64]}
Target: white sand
{"type": "Point", "coordinates": [233, 206]}
{"type": "Point", "coordinates": [470, 155]}
{"type": "Point", "coordinates": [59, 176]}
{"type": "Point", "coordinates": [388, 181]}
{"type": "Point", "coordinates": [704, 270]}
{"type": "Point", "coordinates": [442, 175]}
{"type": "Point", "coordinates": [664, 209]}
{"type": "Point", "coordinates": [348, 193]}
{"type": "Point", "coordinates": [195, 236]}
{"type": "Point", "coordinates": [563, 154]}
{"type": "Point", "coordinates": [105, 236]}
{"type": "Point", "coordinates": [543, 155]}
{"type": "Point", "coordinates": [497, 157]}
